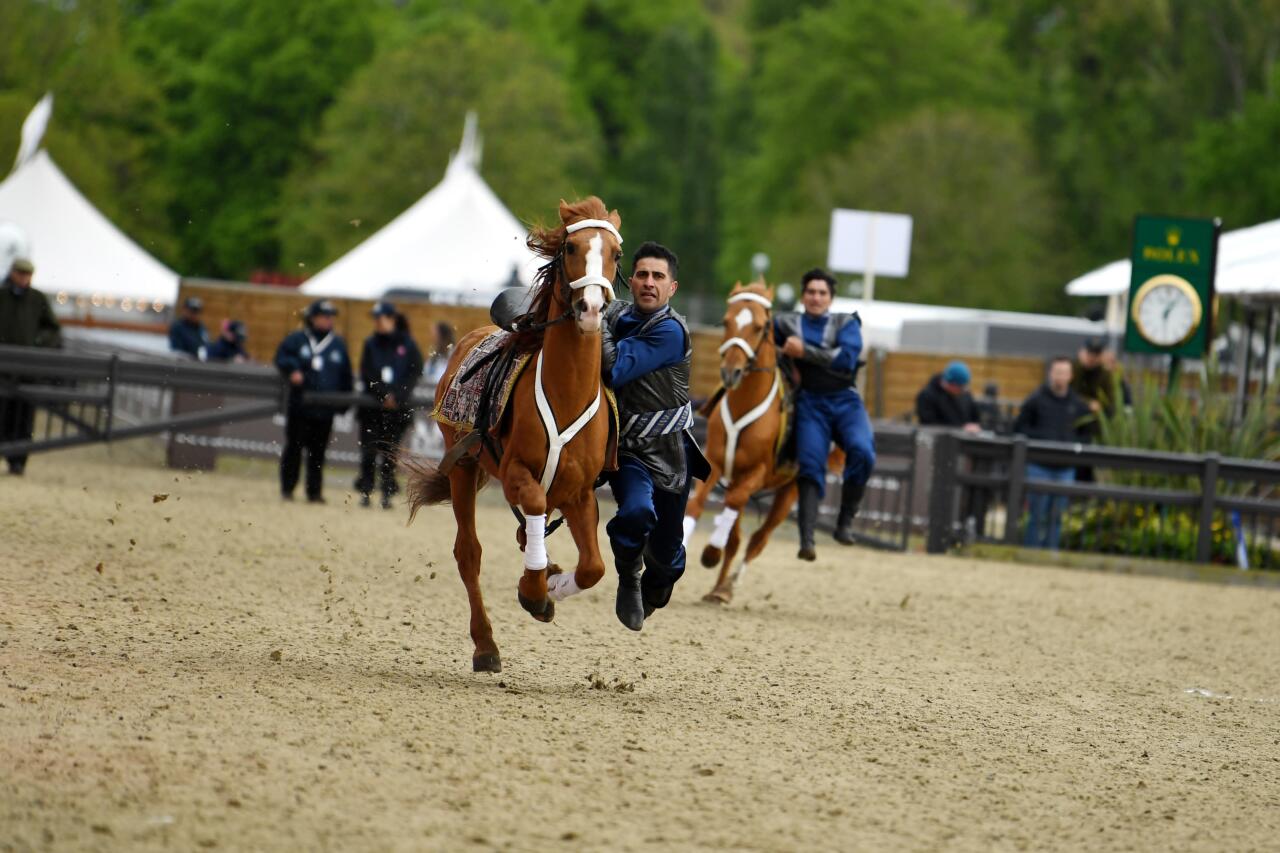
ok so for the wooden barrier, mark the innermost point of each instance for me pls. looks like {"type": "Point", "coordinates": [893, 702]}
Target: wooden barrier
{"type": "Point", "coordinates": [891, 380]}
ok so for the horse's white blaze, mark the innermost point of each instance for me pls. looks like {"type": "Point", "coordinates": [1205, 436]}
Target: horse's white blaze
{"type": "Point", "coordinates": [690, 523]}
{"type": "Point", "coordinates": [595, 256]}
{"type": "Point", "coordinates": [724, 524]}
{"type": "Point", "coordinates": [593, 294]}
{"type": "Point", "coordinates": [743, 318]}
{"type": "Point", "coordinates": [535, 545]}
{"type": "Point", "coordinates": [561, 586]}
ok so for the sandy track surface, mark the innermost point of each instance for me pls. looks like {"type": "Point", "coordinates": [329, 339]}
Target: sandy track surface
{"type": "Point", "coordinates": [247, 674]}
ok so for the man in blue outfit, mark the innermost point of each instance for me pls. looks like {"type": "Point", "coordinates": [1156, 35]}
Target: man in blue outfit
{"type": "Point", "coordinates": [824, 349]}
{"type": "Point", "coordinates": [313, 358]}
{"type": "Point", "coordinates": [187, 334]}
{"type": "Point", "coordinates": [646, 363]}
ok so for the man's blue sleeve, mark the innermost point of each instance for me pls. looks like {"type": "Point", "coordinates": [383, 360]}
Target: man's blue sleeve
{"type": "Point", "coordinates": [657, 348]}
{"type": "Point", "coordinates": [849, 344]}
{"type": "Point", "coordinates": [286, 360]}
{"type": "Point", "coordinates": [779, 336]}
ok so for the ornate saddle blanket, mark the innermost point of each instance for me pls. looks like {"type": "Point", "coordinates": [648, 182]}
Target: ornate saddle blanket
{"type": "Point", "coordinates": [488, 370]}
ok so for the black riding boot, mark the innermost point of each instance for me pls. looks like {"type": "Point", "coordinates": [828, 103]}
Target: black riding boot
{"type": "Point", "coordinates": [807, 517]}
{"type": "Point", "coordinates": [630, 603]}
{"type": "Point", "coordinates": [850, 498]}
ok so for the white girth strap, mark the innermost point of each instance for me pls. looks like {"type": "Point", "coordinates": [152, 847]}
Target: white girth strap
{"type": "Point", "coordinates": [556, 440]}
{"type": "Point", "coordinates": [738, 342]}
{"type": "Point", "coordinates": [732, 428]}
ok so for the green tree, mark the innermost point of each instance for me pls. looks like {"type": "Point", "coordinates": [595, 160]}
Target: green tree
{"type": "Point", "coordinates": [387, 139]}
{"type": "Point", "coordinates": [1234, 169]}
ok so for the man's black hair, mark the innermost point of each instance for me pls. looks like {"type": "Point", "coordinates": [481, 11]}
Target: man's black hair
{"type": "Point", "coordinates": [657, 250]}
{"type": "Point", "coordinates": [1058, 358]}
{"type": "Point", "coordinates": [819, 274]}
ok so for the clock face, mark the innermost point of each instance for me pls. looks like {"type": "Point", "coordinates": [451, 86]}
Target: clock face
{"type": "Point", "coordinates": [1167, 312]}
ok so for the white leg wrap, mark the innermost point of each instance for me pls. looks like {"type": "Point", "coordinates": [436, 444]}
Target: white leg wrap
{"type": "Point", "coordinates": [561, 586]}
{"type": "Point", "coordinates": [689, 524]}
{"type": "Point", "coordinates": [736, 577]}
{"type": "Point", "coordinates": [535, 545]}
{"type": "Point", "coordinates": [724, 523]}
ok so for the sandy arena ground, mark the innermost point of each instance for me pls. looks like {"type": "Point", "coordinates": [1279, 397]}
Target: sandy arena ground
{"type": "Point", "coordinates": [243, 674]}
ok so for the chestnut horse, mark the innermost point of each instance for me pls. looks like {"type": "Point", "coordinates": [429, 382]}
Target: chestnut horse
{"type": "Point", "coordinates": [742, 436]}
{"type": "Point", "coordinates": [556, 430]}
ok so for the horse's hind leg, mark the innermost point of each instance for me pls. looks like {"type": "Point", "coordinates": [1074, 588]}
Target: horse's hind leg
{"type": "Point", "coordinates": [467, 551]}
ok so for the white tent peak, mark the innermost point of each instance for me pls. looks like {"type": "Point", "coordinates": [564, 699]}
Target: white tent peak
{"type": "Point", "coordinates": [471, 148]}
{"type": "Point", "coordinates": [33, 128]}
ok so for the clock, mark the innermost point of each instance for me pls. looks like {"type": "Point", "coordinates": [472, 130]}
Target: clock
{"type": "Point", "coordinates": [1167, 310]}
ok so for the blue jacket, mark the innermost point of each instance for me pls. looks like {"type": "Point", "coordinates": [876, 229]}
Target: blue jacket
{"type": "Point", "coordinates": [391, 364]}
{"type": "Point", "coordinates": [189, 338]}
{"type": "Point", "coordinates": [328, 370]}
{"type": "Point", "coordinates": [225, 350]}
{"type": "Point", "coordinates": [832, 345]}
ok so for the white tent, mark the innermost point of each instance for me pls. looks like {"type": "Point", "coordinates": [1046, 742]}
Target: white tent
{"type": "Point", "coordinates": [458, 243]}
{"type": "Point", "coordinates": [76, 250]}
{"type": "Point", "coordinates": [1248, 265]}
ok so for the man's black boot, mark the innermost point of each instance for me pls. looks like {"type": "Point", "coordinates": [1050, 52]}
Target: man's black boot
{"type": "Point", "coordinates": [630, 603]}
{"type": "Point", "coordinates": [850, 497]}
{"type": "Point", "coordinates": [807, 517]}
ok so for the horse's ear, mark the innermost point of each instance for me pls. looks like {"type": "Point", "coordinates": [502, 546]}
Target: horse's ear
{"type": "Point", "coordinates": [615, 219]}
{"type": "Point", "coordinates": [737, 285]}
{"type": "Point", "coordinates": [565, 212]}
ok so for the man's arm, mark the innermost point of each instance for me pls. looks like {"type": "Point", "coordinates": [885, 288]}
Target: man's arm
{"type": "Point", "coordinates": [1026, 419]}
{"type": "Point", "coordinates": [844, 355]}
{"type": "Point", "coordinates": [926, 411]}
{"type": "Point", "coordinates": [287, 360]}
{"type": "Point", "coordinates": [657, 348]}
{"type": "Point", "coordinates": [49, 332]}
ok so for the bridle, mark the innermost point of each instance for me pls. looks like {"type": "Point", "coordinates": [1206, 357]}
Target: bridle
{"type": "Point", "coordinates": [554, 270]}
{"type": "Point", "coordinates": [741, 343]}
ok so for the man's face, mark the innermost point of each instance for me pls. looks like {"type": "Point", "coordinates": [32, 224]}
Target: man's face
{"type": "Point", "coordinates": [190, 315]}
{"type": "Point", "coordinates": [1088, 358]}
{"type": "Point", "coordinates": [952, 388]}
{"type": "Point", "coordinates": [1060, 376]}
{"type": "Point", "coordinates": [385, 323]}
{"type": "Point", "coordinates": [322, 322]}
{"type": "Point", "coordinates": [22, 279]}
{"type": "Point", "coordinates": [651, 284]}
{"type": "Point", "coordinates": [816, 297]}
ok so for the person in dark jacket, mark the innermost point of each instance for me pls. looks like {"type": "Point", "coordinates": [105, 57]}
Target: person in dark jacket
{"type": "Point", "coordinates": [645, 360]}
{"type": "Point", "coordinates": [187, 333]}
{"type": "Point", "coordinates": [27, 320]}
{"type": "Point", "coordinates": [230, 344]}
{"type": "Point", "coordinates": [390, 366]}
{"type": "Point", "coordinates": [945, 401]}
{"type": "Point", "coordinates": [313, 358]}
{"type": "Point", "coordinates": [1053, 412]}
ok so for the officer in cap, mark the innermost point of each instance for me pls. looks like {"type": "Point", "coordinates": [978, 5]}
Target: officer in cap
{"type": "Point", "coordinates": [314, 358]}
{"type": "Point", "coordinates": [26, 319]}
{"type": "Point", "coordinates": [230, 344]}
{"type": "Point", "coordinates": [187, 334]}
{"type": "Point", "coordinates": [390, 366]}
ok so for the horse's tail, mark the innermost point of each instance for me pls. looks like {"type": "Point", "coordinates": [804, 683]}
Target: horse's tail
{"type": "Point", "coordinates": [429, 486]}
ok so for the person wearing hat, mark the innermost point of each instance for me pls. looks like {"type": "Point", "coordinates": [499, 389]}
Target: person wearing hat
{"type": "Point", "coordinates": [390, 366]}
{"type": "Point", "coordinates": [1094, 384]}
{"type": "Point", "coordinates": [187, 334]}
{"type": "Point", "coordinates": [314, 358]}
{"type": "Point", "coordinates": [26, 319]}
{"type": "Point", "coordinates": [230, 344]}
{"type": "Point", "coordinates": [945, 400]}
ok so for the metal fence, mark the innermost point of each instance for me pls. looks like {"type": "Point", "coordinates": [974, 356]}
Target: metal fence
{"type": "Point", "coordinates": [1107, 500]}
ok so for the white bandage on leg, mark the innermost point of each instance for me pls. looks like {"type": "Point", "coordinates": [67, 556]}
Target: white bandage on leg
{"type": "Point", "coordinates": [561, 586]}
{"type": "Point", "coordinates": [535, 545]}
{"type": "Point", "coordinates": [724, 523]}
{"type": "Point", "coordinates": [689, 524]}
{"type": "Point", "coordinates": [738, 574]}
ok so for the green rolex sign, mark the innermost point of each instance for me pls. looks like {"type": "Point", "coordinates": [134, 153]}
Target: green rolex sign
{"type": "Point", "coordinates": [1171, 289]}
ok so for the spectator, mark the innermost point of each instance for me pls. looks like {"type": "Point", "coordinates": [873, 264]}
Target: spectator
{"type": "Point", "coordinates": [1053, 412]}
{"type": "Point", "coordinates": [230, 344]}
{"type": "Point", "coordinates": [441, 347]}
{"type": "Point", "coordinates": [1093, 382]}
{"type": "Point", "coordinates": [1112, 365]}
{"type": "Point", "coordinates": [311, 359]}
{"type": "Point", "coordinates": [26, 319]}
{"type": "Point", "coordinates": [390, 366]}
{"type": "Point", "coordinates": [187, 333]}
{"type": "Point", "coordinates": [945, 400]}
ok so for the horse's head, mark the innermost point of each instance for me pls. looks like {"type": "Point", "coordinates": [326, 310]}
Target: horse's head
{"type": "Point", "coordinates": [590, 253]}
{"type": "Point", "coordinates": [748, 331]}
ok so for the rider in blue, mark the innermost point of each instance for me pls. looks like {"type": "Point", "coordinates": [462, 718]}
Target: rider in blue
{"type": "Point", "coordinates": [824, 349]}
{"type": "Point", "coordinates": [646, 362]}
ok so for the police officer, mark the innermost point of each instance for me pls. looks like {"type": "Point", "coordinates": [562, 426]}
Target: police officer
{"type": "Point", "coordinates": [390, 366]}
{"type": "Point", "coordinates": [646, 362]}
{"type": "Point", "coordinates": [187, 333]}
{"type": "Point", "coordinates": [230, 344]}
{"type": "Point", "coordinates": [824, 349]}
{"type": "Point", "coordinates": [314, 358]}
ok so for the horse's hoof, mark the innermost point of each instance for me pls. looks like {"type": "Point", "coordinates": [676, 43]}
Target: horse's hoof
{"type": "Point", "coordinates": [718, 596]}
{"type": "Point", "coordinates": [711, 556]}
{"type": "Point", "coordinates": [486, 662]}
{"type": "Point", "coordinates": [543, 611]}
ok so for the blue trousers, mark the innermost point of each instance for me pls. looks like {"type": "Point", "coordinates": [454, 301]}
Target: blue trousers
{"type": "Point", "coordinates": [1044, 522]}
{"type": "Point", "coordinates": [649, 522]}
{"type": "Point", "coordinates": [821, 418]}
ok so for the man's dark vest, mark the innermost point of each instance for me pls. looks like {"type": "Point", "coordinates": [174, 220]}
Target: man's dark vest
{"type": "Point", "coordinates": [820, 378]}
{"type": "Point", "coordinates": [662, 390]}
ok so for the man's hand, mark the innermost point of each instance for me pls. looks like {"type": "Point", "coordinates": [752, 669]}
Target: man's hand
{"type": "Point", "coordinates": [296, 377]}
{"type": "Point", "coordinates": [972, 428]}
{"type": "Point", "coordinates": [794, 347]}
{"type": "Point", "coordinates": [1095, 406]}
{"type": "Point", "coordinates": [389, 402]}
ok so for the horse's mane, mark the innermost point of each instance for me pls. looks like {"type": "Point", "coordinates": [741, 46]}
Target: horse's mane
{"type": "Point", "coordinates": [547, 242]}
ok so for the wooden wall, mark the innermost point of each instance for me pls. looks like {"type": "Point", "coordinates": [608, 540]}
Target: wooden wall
{"type": "Point", "coordinates": [891, 380]}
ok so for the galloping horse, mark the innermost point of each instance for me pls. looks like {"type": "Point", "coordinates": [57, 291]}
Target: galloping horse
{"type": "Point", "coordinates": [743, 432]}
{"type": "Point", "coordinates": [555, 433]}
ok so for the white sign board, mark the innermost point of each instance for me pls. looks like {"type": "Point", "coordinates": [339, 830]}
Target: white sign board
{"type": "Point", "coordinates": [865, 241]}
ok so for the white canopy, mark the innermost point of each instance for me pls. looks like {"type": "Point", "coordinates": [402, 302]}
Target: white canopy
{"type": "Point", "coordinates": [458, 242]}
{"type": "Point", "coordinates": [1248, 264]}
{"type": "Point", "coordinates": [76, 250]}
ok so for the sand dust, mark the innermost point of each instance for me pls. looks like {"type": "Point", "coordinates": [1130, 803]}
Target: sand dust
{"type": "Point", "coordinates": [247, 674]}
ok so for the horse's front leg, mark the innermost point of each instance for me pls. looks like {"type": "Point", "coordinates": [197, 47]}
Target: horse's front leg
{"type": "Point", "coordinates": [696, 503]}
{"type": "Point", "coordinates": [724, 539]}
{"type": "Point", "coordinates": [523, 491]}
{"type": "Point", "coordinates": [583, 519]}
